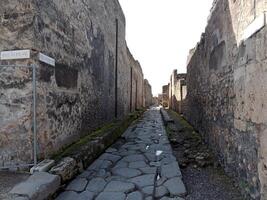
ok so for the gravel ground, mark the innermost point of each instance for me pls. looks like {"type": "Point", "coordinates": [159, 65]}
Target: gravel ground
{"type": "Point", "coordinates": [8, 180]}
{"type": "Point", "coordinates": [209, 184]}
{"type": "Point", "coordinates": [203, 177]}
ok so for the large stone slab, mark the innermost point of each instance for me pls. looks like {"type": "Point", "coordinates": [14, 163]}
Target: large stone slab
{"type": "Point", "coordinates": [77, 185]}
{"type": "Point", "coordinates": [144, 180]}
{"type": "Point", "coordinates": [134, 158]}
{"type": "Point", "coordinates": [138, 164]}
{"type": "Point", "coordinates": [39, 186]}
{"type": "Point", "coordinates": [96, 185]}
{"type": "Point", "coordinates": [111, 195]}
{"type": "Point", "coordinates": [126, 172]}
{"type": "Point", "coordinates": [175, 186]}
{"type": "Point", "coordinates": [70, 195]}
{"type": "Point", "coordinates": [119, 186]}
{"type": "Point", "coordinates": [171, 170]}
{"type": "Point", "coordinates": [135, 196]}
{"type": "Point", "coordinates": [110, 157]}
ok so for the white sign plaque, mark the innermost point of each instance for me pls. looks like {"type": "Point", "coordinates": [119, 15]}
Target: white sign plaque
{"type": "Point", "coordinates": [14, 55]}
{"type": "Point", "coordinates": [46, 59]}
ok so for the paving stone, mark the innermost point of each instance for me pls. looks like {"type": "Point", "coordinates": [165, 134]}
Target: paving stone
{"type": "Point", "coordinates": [38, 186]}
{"type": "Point", "coordinates": [148, 190]}
{"type": "Point", "coordinates": [110, 157]}
{"type": "Point", "coordinates": [175, 186]}
{"type": "Point", "coordinates": [151, 157]}
{"type": "Point", "coordinates": [126, 172]}
{"type": "Point", "coordinates": [77, 185]}
{"type": "Point", "coordinates": [161, 192]}
{"type": "Point", "coordinates": [87, 174]}
{"type": "Point", "coordinates": [155, 164]}
{"type": "Point", "coordinates": [138, 164]}
{"type": "Point", "coordinates": [134, 158]}
{"type": "Point", "coordinates": [111, 150]}
{"type": "Point", "coordinates": [17, 198]}
{"type": "Point", "coordinates": [161, 181]}
{"type": "Point", "coordinates": [171, 170]}
{"type": "Point", "coordinates": [131, 169]}
{"type": "Point", "coordinates": [115, 178]}
{"type": "Point", "coordinates": [86, 195]}
{"type": "Point", "coordinates": [149, 170]}
{"type": "Point", "coordinates": [111, 196]}
{"type": "Point", "coordinates": [69, 195]}
{"type": "Point", "coordinates": [144, 180]}
{"type": "Point", "coordinates": [168, 198]}
{"type": "Point", "coordinates": [137, 147]}
{"type": "Point", "coordinates": [127, 153]}
{"type": "Point", "coordinates": [96, 185]}
{"type": "Point", "coordinates": [99, 164]}
{"type": "Point", "coordinates": [119, 186]}
{"type": "Point", "coordinates": [103, 173]}
{"type": "Point", "coordinates": [121, 164]}
{"type": "Point", "coordinates": [135, 196]}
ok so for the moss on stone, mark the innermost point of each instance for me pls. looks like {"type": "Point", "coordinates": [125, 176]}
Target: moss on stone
{"type": "Point", "coordinates": [183, 122]}
{"type": "Point", "coordinates": [106, 135]}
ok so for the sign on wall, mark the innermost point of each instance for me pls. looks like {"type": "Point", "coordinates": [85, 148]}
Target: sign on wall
{"type": "Point", "coordinates": [15, 55]}
{"type": "Point", "coordinates": [46, 59]}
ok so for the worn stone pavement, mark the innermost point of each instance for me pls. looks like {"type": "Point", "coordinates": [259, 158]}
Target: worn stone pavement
{"type": "Point", "coordinates": [141, 166]}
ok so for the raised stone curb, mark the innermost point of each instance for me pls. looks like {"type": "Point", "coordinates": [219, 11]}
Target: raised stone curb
{"type": "Point", "coordinates": [39, 186]}
{"type": "Point", "coordinates": [66, 169]}
{"type": "Point", "coordinates": [166, 118]}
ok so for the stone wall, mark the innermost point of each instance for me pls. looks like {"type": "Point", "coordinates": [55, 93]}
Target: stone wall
{"type": "Point", "coordinates": [177, 92]}
{"type": "Point", "coordinates": [227, 90]}
{"type": "Point", "coordinates": [136, 80]}
{"type": "Point", "coordinates": [165, 95]}
{"type": "Point", "coordinates": [148, 94]}
{"type": "Point", "coordinates": [79, 94]}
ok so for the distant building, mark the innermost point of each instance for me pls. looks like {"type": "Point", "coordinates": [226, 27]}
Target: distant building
{"type": "Point", "coordinates": [177, 92]}
{"type": "Point", "coordinates": [148, 93]}
{"type": "Point", "coordinates": [165, 96]}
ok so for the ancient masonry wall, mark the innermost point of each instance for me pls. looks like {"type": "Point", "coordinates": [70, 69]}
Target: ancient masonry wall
{"type": "Point", "coordinates": [177, 92]}
{"type": "Point", "coordinates": [165, 96]}
{"type": "Point", "coordinates": [136, 81]}
{"type": "Point", "coordinates": [227, 90]}
{"type": "Point", "coordinates": [148, 93]}
{"type": "Point", "coordinates": [78, 94]}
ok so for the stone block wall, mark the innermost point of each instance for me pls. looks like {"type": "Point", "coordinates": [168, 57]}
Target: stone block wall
{"type": "Point", "coordinates": [165, 95]}
{"type": "Point", "coordinates": [148, 93]}
{"type": "Point", "coordinates": [137, 86]}
{"type": "Point", "coordinates": [226, 80]}
{"type": "Point", "coordinates": [78, 95]}
{"type": "Point", "coordinates": [177, 92]}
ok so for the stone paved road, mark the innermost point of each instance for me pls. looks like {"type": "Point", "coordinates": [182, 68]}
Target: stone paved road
{"type": "Point", "coordinates": [139, 167]}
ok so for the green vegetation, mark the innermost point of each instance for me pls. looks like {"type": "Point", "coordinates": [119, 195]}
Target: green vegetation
{"type": "Point", "coordinates": [182, 121]}
{"type": "Point", "coordinates": [114, 130]}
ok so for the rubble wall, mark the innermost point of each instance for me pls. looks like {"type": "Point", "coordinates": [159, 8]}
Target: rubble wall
{"type": "Point", "coordinates": [227, 90]}
{"type": "Point", "coordinates": [78, 94]}
{"type": "Point", "coordinates": [148, 93]}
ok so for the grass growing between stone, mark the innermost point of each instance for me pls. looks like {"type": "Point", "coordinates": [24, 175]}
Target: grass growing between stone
{"type": "Point", "coordinates": [105, 135]}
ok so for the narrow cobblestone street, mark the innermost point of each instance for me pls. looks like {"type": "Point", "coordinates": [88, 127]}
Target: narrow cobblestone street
{"type": "Point", "coordinates": [139, 166]}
